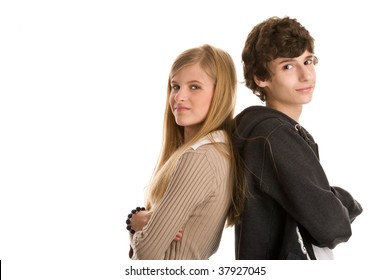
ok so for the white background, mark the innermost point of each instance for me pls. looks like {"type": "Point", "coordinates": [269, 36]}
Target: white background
{"type": "Point", "coordinates": [82, 93]}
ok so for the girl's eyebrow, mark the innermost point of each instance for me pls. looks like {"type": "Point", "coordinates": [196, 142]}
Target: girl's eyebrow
{"type": "Point", "coordinates": [188, 82]}
{"type": "Point", "coordinates": [194, 82]}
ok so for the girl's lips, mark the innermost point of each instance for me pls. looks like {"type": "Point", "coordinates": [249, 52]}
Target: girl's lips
{"type": "Point", "coordinates": [181, 108]}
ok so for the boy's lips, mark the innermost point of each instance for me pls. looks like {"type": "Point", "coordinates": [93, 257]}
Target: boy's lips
{"type": "Point", "coordinates": [305, 89]}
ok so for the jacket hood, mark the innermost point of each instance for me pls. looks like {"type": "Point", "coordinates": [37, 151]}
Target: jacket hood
{"type": "Point", "coordinates": [252, 117]}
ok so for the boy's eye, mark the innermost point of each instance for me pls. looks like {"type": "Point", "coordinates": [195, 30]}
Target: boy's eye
{"type": "Point", "coordinates": [313, 60]}
{"type": "Point", "coordinates": [287, 66]}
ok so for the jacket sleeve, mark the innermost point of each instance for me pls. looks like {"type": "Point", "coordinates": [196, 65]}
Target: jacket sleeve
{"type": "Point", "coordinates": [304, 191]}
{"type": "Point", "coordinates": [191, 184]}
{"type": "Point", "coordinates": [354, 207]}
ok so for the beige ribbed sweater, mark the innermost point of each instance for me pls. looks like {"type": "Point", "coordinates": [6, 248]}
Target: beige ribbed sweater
{"type": "Point", "coordinates": [197, 200]}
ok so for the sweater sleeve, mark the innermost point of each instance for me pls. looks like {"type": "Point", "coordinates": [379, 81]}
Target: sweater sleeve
{"type": "Point", "coordinates": [191, 184]}
{"type": "Point", "coordinates": [325, 212]}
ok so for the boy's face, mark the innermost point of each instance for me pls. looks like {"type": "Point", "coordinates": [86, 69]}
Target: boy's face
{"type": "Point", "coordinates": [292, 81]}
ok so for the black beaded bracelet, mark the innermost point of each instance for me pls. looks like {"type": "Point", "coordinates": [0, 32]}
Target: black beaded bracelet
{"type": "Point", "coordinates": [128, 221]}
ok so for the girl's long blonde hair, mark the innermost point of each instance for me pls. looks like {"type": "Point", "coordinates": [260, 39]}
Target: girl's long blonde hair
{"type": "Point", "coordinates": [220, 67]}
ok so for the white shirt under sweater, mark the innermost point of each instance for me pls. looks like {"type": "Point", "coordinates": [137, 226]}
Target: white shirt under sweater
{"type": "Point", "coordinates": [197, 200]}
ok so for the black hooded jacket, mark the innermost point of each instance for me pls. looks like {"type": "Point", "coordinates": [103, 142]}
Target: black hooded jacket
{"type": "Point", "coordinates": [290, 205]}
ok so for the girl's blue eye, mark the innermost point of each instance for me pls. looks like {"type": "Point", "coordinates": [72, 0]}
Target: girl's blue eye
{"type": "Point", "coordinates": [194, 87]}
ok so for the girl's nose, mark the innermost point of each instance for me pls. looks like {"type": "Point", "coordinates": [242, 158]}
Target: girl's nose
{"type": "Point", "coordinates": [181, 95]}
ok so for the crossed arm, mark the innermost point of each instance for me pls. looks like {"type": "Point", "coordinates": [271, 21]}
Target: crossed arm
{"type": "Point", "coordinates": [141, 219]}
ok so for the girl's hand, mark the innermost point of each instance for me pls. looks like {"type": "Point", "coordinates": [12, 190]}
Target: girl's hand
{"type": "Point", "coordinates": [179, 235]}
{"type": "Point", "coordinates": [140, 219]}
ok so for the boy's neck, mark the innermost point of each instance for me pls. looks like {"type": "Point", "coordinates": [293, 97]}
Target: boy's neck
{"type": "Point", "coordinates": [293, 112]}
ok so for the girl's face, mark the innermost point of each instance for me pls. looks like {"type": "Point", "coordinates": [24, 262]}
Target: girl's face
{"type": "Point", "coordinates": [292, 82]}
{"type": "Point", "coordinates": [191, 94]}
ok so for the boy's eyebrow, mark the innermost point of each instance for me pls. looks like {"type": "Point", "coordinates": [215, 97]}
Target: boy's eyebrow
{"type": "Point", "coordinates": [312, 55]}
{"type": "Point", "coordinates": [284, 60]}
{"type": "Point", "coordinates": [288, 59]}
